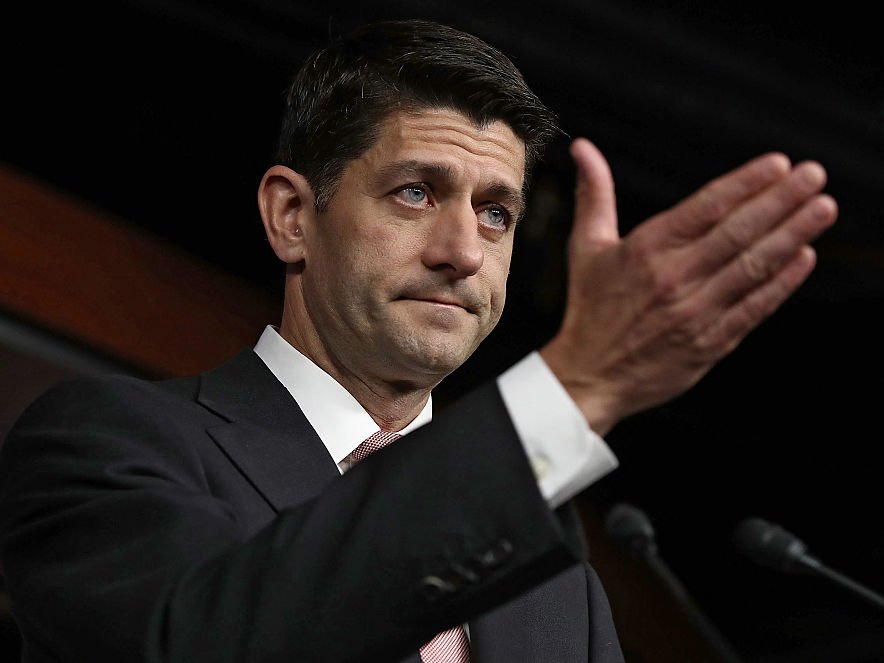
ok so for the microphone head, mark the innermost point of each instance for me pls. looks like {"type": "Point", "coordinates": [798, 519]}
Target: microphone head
{"type": "Point", "coordinates": [631, 528]}
{"type": "Point", "coordinates": [770, 545]}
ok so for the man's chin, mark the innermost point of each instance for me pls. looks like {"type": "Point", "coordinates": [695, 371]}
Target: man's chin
{"type": "Point", "coordinates": [434, 357]}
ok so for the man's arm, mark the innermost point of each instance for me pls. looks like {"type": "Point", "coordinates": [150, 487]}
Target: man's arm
{"type": "Point", "coordinates": [128, 535]}
{"type": "Point", "coordinates": [649, 314]}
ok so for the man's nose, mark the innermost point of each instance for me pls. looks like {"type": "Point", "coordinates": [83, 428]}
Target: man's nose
{"type": "Point", "coordinates": [454, 243]}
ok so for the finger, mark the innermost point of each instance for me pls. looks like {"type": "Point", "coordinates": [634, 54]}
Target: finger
{"type": "Point", "coordinates": [695, 215]}
{"type": "Point", "coordinates": [760, 303]}
{"type": "Point", "coordinates": [755, 218]}
{"type": "Point", "coordinates": [595, 206]}
{"type": "Point", "coordinates": [763, 261]}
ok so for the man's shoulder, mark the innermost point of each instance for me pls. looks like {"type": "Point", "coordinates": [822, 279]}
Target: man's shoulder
{"type": "Point", "coordinates": [89, 424]}
{"type": "Point", "coordinates": [120, 402]}
{"type": "Point", "coordinates": [104, 394]}
{"type": "Point", "coordinates": [118, 406]}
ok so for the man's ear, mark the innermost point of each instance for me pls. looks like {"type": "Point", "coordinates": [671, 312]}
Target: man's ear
{"type": "Point", "coordinates": [285, 201]}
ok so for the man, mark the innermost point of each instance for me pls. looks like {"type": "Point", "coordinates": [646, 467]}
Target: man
{"type": "Point", "coordinates": [206, 518]}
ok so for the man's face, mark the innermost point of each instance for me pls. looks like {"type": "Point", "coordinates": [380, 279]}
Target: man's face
{"type": "Point", "coordinates": [405, 271]}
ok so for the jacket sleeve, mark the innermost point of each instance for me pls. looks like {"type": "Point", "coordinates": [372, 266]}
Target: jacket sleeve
{"type": "Point", "coordinates": [117, 547]}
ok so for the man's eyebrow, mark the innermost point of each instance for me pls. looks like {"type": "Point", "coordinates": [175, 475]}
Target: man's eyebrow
{"type": "Point", "coordinates": [414, 168]}
{"type": "Point", "coordinates": [513, 199]}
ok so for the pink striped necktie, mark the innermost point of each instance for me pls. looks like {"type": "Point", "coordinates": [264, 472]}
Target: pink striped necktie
{"type": "Point", "coordinates": [451, 646]}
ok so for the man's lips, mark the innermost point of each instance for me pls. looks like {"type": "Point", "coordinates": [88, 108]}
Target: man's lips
{"type": "Point", "coordinates": [468, 305]}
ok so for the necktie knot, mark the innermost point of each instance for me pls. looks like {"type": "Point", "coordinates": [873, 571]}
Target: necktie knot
{"type": "Point", "coordinates": [374, 443]}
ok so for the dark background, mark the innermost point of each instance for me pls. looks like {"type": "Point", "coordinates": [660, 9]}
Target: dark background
{"type": "Point", "coordinates": [164, 113]}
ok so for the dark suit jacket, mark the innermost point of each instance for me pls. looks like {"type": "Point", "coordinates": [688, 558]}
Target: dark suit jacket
{"type": "Point", "coordinates": [202, 519]}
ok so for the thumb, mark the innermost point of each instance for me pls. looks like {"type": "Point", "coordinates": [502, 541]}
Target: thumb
{"type": "Point", "coordinates": [595, 206]}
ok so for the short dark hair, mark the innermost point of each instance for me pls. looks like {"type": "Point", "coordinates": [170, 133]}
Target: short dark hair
{"type": "Point", "coordinates": [341, 95]}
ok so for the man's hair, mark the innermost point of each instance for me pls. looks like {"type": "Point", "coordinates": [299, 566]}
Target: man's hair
{"type": "Point", "coordinates": [342, 94]}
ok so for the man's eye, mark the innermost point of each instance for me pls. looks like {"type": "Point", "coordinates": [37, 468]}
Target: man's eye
{"type": "Point", "coordinates": [496, 217]}
{"type": "Point", "coordinates": [413, 195]}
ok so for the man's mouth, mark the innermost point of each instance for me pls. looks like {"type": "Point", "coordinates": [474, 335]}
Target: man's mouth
{"type": "Point", "coordinates": [440, 300]}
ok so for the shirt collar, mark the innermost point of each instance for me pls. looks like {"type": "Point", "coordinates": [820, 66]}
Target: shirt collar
{"type": "Point", "coordinates": [338, 418]}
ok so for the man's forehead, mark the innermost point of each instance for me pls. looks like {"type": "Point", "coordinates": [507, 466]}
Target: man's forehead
{"type": "Point", "coordinates": [451, 139]}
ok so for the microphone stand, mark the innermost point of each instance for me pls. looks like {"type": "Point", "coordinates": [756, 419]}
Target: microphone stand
{"type": "Point", "coordinates": [632, 529]}
{"type": "Point", "coordinates": [770, 545]}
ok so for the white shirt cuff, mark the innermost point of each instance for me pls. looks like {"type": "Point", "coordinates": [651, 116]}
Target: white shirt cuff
{"type": "Point", "coordinates": [565, 453]}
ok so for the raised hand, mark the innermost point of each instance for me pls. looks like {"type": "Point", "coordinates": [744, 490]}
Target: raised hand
{"type": "Point", "coordinates": [649, 314]}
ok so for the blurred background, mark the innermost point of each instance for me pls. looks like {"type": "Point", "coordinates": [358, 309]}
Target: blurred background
{"type": "Point", "coordinates": [133, 138]}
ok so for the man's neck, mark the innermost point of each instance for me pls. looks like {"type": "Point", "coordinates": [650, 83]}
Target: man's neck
{"type": "Point", "coordinates": [391, 406]}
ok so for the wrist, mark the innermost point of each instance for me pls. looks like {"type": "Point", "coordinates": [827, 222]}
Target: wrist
{"type": "Point", "coordinates": [595, 397]}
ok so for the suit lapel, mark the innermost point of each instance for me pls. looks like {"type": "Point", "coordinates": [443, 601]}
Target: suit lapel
{"type": "Point", "coordinates": [265, 434]}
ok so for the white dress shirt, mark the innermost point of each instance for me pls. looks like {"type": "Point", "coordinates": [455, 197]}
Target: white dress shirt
{"type": "Point", "coordinates": [566, 455]}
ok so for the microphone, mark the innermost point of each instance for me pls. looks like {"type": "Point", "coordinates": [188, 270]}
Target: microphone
{"type": "Point", "coordinates": [631, 529]}
{"type": "Point", "coordinates": [770, 545]}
